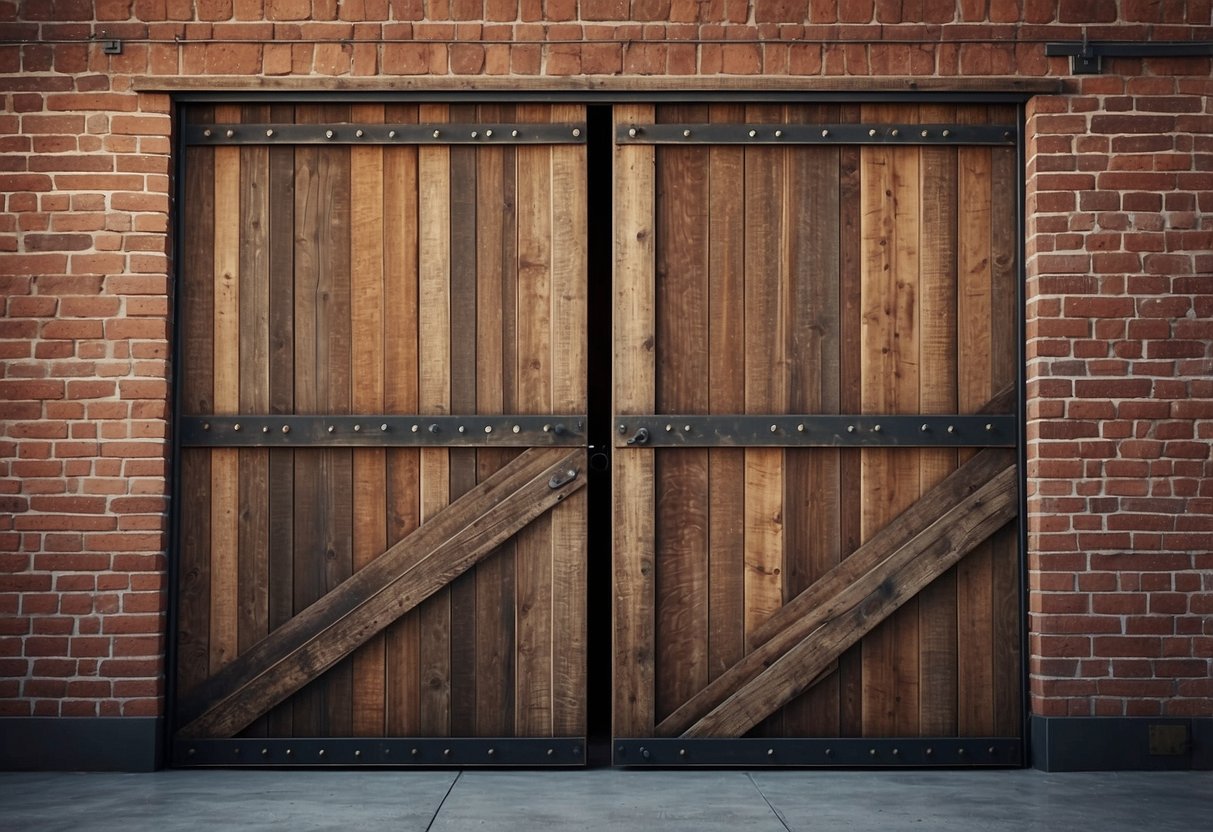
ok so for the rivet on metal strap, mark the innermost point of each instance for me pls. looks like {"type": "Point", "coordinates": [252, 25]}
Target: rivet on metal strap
{"type": "Point", "coordinates": [547, 428]}
{"type": "Point", "coordinates": [686, 428]}
{"type": "Point", "coordinates": [779, 134]}
{"type": "Point", "coordinates": [488, 428]}
{"type": "Point", "coordinates": [207, 132]}
{"type": "Point", "coordinates": [872, 132]}
{"type": "Point", "coordinates": [357, 428]}
{"type": "Point", "coordinates": [446, 752]}
{"type": "Point", "coordinates": [850, 428]}
{"type": "Point", "coordinates": [286, 428]}
{"type": "Point", "coordinates": [236, 426]}
{"type": "Point", "coordinates": [871, 752]}
{"type": "Point", "coordinates": [475, 135]}
{"type": "Point", "coordinates": [383, 427]}
{"type": "Point", "coordinates": [331, 429]}
{"type": "Point", "coordinates": [416, 428]}
{"type": "Point", "coordinates": [925, 133]}
{"type": "Point", "coordinates": [206, 425]}
{"type": "Point", "coordinates": [551, 751]}
{"type": "Point", "coordinates": [951, 428]}
{"type": "Point", "coordinates": [514, 133]}
{"type": "Point", "coordinates": [632, 131]}
{"type": "Point", "coordinates": [686, 134]}
{"type": "Point", "coordinates": [774, 428]}
{"type": "Point", "coordinates": [682, 752]}
{"type": "Point", "coordinates": [320, 753]}
{"type": "Point", "coordinates": [265, 752]}
{"type": "Point", "coordinates": [825, 133]}
{"type": "Point", "coordinates": [328, 134]}
{"type": "Point", "coordinates": [669, 428]}
{"type": "Point", "coordinates": [947, 133]}
{"type": "Point", "coordinates": [434, 428]}
{"type": "Point", "coordinates": [492, 751]}
{"type": "Point", "coordinates": [876, 428]}
{"type": "Point", "coordinates": [895, 132]}
{"type": "Point", "coordinates": [989, 427]}
{"type": "Point", "coordinates": [753, 133]}
{"type": "Point", "coordinates": [414, 752]}
{"type": "Point", "coordinates": [437, 133]}
{"type": "Point", "coordinates": [576, 132]}
{"type": "Point", "coordinates": [896, 752]}
{"type": "Point", "coordinates": [517, 429]}
{"type": "Point", "coordinates": [269, 133]}
{"type": "Point", "coordinates": [358, 133]}
{"type": "Point", "coordinates": [488, 134]}
{"type": "Point", "coordinates": [265, 428]}
{"type": "Point", "coordinates": [925, 428]}
{"type": "Point", "coordinates": [357, 752]}
{"type": "Point", "coordinates": [391, 134]}
{"type": "Point", "coordinates": [770, 752]}
{"type": "Point", "coordinates": [463, 429]}
{"type": "Point", "coordinates": [800, 428]}
{"type": "Point", "coordinates": [230, 133]}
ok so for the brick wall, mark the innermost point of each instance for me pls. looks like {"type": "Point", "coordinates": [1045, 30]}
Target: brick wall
{"type": "Point", "coordinates": [1120, 309]}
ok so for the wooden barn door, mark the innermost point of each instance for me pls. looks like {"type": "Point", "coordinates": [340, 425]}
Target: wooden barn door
{"type": "Point", "coordinates": [815, 486]}
{"type": "Point", "coordinates": [382, 388]}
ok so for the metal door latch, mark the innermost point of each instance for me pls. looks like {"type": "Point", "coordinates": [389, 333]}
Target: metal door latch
{"type": "Point", "coordinates": [639, 437]}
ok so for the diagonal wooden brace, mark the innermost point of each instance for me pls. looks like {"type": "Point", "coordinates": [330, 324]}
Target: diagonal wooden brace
{"type": "Point", "coordinates": [445, 547]}
{"type": "Point", "coordinates": [861, 607]}
{"type": "Point", "coordinates": [940, 521]}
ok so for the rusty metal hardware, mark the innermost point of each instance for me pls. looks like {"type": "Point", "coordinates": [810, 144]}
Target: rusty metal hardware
{"type": "Point", "coordinates": [391, 134]}
{"type": "Point", "coordinates": [383, 431]}
{"type": "Point", "coordinates": [562, 478]}
{"type": "Point", "coordinates": [830, 431]}
{"type": "Point", "coordinates": [828, 134]}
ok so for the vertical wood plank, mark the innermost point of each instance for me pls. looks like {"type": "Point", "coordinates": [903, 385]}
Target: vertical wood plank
{"type": "Point", "coordinates": [434, 396]}
{"type": "Point", "coordinates": [890, 379]}
{"type": "Point", "coordinates": [281, 390]}
{"type": "Point", "coordinates": [463, 400]}
{"type": "Point", "coordinates": [569, 225]}
{"type": "Point", "coordinates": [400, 279]}
{"type": "Point", "coordinates": [937, 394]}
{"type": "Point", "coordinates": [632, 471]}
{"type": "Point", "coordinates": [811, 486]}
{"type": "Point", "coordinates": [765, 376]}
{"type": "Point", "coordinates": [496, 275]}
{"type": "Point", "coordinates": [225, 474]}
{"type": "Point", "coordinates": [533, 545]}
{"type": "Point", "coordinates": [681, 524]}
{"type": "Point", "coordinates": [253, 571]}
{"type": "Point", "coordinates": [197, 390]}
{"type": "Point", "coordinates": [726, 393]}
{"type": "Point", "coordinates": [367, 300]}
{"type": "Point", "coordinates": [974, 574]}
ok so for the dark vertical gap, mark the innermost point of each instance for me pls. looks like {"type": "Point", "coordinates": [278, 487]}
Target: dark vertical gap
{"type": "Point", "coordinates": [599, 149]}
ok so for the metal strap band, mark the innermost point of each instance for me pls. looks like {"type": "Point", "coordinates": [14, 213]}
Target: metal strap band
{"type": "Point", "coordinates": [382, 431]}
{"type": "Point", "coordinates": [825, 134]}
{"type": "Point", "coordinates": [402, 134]}
{"type": "Point", "coordinates": [908, 752]}
{"type": "Point", "coordinates": [407, 751]}
{"type": "Point", "coordinates": [775, 431]}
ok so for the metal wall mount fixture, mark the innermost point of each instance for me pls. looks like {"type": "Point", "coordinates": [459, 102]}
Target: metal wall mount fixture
{"type": "Point", "coordinates": [1086, 57]}
{"type": "Point", "coordinates": [827, 134]}
{"type": "Point", "coordinates": [381, 431]}
{"type": "Point", "coordinates": [783, 431]}
{"type": "Point", "coordinates": [403, 134]}
{"type": "Point", "coordinates": [910, 752]}
{"type": "Point", "coordinates": [428, 752]}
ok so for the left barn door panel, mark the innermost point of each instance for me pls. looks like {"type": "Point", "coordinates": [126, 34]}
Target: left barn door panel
{"type": "Point", "coordinates": [381, 310]}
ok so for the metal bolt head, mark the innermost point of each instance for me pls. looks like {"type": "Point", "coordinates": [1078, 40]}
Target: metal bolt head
{"type": "Point", "coordinates": [686, 134]}
{"type": "Point", "coordinates": [925, 428]}
{"type": "Point", "coordinates": [926, 133]}
{"type": "Point", "coordinates": [951, 428]}
{"type": "Point", "coordinates": [632, 132]}
{"type": "Point", "coordinates": [391, 134]}
{"type": "Point", "coordinates": [876, 428]}
{"type": "Point", "coordinates": [488, 428]}
{"type": "Point", "coordinates": [320, 753]}
{"type": "Point", "coordinates": [265, 752]}
{"type": "Point", "coordinates": [331, 429]}
{"type": "Point", "coordinates": [850, 428]}
{"type": "Point", "coordinates": [989, 427]}
{"type": "Point", "coordinates": [800, 428]}
{"type": "Point", "coordinates": [774, 428]}
{"type": "Point", "coordinates": [269, 134]}
{"type": "Point", "coordinates": [265, 428]}
{"type": "Point", "coordinates": [947, 133]}
{"type": "Point", "coordinates": [770, 752]}
{"type": "Point", "coordinates": [872, 132]}
{"type": "Point", "coordinates": [871, 752]}
{"type": "Point", "coordinates": [416, 428]}
{"type": "Point", "coordinates": [206, 425]}
{"type": "Point", "coordinates": [669, 428]}
{"type": "Point", "coordinates": [236, 426]}
{"type": "Point", "coordinates": [686, 428]}
{"type": "Point", "coordinates": [462, 429]}
{"type": "Point", "coordinates": [358, 133]}
{"type": "Point", "coordinates": [357, 752]}
{"type": "Point", "coordinates": [779, 134]}
{"type": "Point", "coordinates": [576, 132]}
{"type": "Point", "coordinates": [357, 428]}
{"type": "Point", "coordinates": [437, 133]}
{"type": "Point", "coordinates": [492, 751]}
{"type": "Point", "coordinates": [434, 428]}
{"type": "Point", "coordinates": [547, 428]}
{"type": "Point", "coordinates": [328, 134]}
{"type": "Point", "coordinates": [753, 133]}
{"type": "Point", "coordinates": [488, 134]}
{"type": "Point", "coordinates": [286, 428]}
{"type": "Point", "coordinates": [622, 429]}
{"type": "Point", "coordinates": [207, 132]}
{"type": "Point", "coordinates": [517, 429]}
{"type": "Point", "coordinates": [825, 133]}
{"type": "Point", "coordinates": [230, 133]}
{"type": "Point", "coordinates": [514, 133]}
{"type": "Point", "coordinates": [894, 132]}
{"type": "Point", "coordinates": [383, 427]}
{"type": "Point", "coordinates": [475, 135]}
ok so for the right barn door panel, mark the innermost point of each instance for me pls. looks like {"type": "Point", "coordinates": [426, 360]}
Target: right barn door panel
{"type": "Point", "coordinates": [816, 318]}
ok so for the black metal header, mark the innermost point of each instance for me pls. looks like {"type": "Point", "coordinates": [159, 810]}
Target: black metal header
{"type": "Point", "coordinates": [827, 134]}
{"type": "Point", "coordinates": [778, 431]}
{"type": "Point", "coordinates": [1086, 58]}
{"type": "Point", "coordinates": [380, 431]}
{"type": "Point", "coordinates": [913, 752]}
{"type": "Point", "coordinates": [402, 134]}
{"type": "Point", "coordinates": [425, 752]}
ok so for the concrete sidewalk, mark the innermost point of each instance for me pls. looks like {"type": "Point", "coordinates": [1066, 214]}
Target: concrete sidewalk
{"type": "Point", "coordinates": [606, 799]}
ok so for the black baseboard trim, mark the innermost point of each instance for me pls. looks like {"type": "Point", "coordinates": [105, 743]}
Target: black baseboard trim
{"type": "Point", "coordinates": [1122, 743]}
{"type": "Point", "coordinates": [81, 743]}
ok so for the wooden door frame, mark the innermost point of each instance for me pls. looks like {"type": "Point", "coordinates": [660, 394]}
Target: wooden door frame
{"type": "Point", "coordinates": [664, 751]}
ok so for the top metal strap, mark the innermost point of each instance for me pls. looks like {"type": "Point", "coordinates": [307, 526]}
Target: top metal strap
{"type": "Point", "coordinates": [402, 134]}
{"type": "Point", "coordinates": [827, 134]}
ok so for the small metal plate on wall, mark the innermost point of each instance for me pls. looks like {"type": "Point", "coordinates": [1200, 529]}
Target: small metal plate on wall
{"type": "Point", "coordinates": [995, 134]}
{"type": "Point", "coordinates": [425, 134]}
{"type": "Point", "coordinates": [776, 431]}
{"type": "Point", "coordinates": [915, 752]}
{"type": "Point", "coordinates": [428, 752]}
{"type": "Point", "coordinates": [380, 431]}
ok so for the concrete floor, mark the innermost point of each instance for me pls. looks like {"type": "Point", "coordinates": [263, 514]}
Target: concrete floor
{"type": "Point", "coordinates": [606, 799]}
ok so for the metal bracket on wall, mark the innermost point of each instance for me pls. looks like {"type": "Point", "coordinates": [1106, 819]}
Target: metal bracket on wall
{"type": "Point", "coordinates": [429, 752]}
{"type": "Point", "coordinates": [381, 431]}
{"type": "Point", "coordinates": [826, 134]}
{"type": "Point", "coordinates": [1086, 57]}
{"type": "Point", "coordinates": [913, 752]}
{"type": "Point", "coordinates": [402, 134]}
{"type": "Point", "coordinates": [786, 431]}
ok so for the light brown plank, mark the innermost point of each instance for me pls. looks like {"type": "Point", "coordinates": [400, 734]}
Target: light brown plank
{"type": "Point", "coordinates": [937, 394]}
{"type": "Point", "coordinates": [411, 571]}
{"type": "Point", "coordinates": [569, 224]}
{"type": "Point", "coordinates": [974, 577]}
{"type": "Point", "coordinates": [400, 219]}
{"type": "Point", "coordinates": [434, 396]}
{"type": "Point", "coordinates": [367, 302]}
{"type": "Point", "coordinates": [632, 469]}
{"type": "Point", "coordinates": [225, 462]}
{"type": "Point", "coordinates": [533, 548]}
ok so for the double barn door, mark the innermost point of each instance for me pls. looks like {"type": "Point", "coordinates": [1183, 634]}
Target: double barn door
{"type": "Point", "coordinates": [382, 522]}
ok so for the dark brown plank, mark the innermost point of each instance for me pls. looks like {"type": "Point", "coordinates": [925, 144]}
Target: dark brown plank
{"type": "Point", "coordinates": [463, 474]}
{"type": "Point", "coordinates": [726, 393]}
{"type": "Point", "coordinates": [196, 332]}
{"type": "Point", "coordinates": [402, 577]}
{"type": "Point", "coordinates": [681, 523]}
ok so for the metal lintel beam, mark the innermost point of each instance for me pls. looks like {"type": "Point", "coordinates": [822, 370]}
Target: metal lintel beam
{"type": "Point", "coordinates": [830, 431]}
{"type": "Point", "coordinates": [824, 134]}
{"type": "Point", "coordinates": [401, 134]}
{"type": "Point", "coordinates": [429, 752]}
{"type": "Point", "coordinates": [383, 431]}
{"type": "Point", "coordinates": [910, 752]}
{"type": "Point", "coordinates": [1086, 57]}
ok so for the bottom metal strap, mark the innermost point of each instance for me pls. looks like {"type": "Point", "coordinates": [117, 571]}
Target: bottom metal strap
{"type": "Point", "coordinates": [429, 752]}
{"type": "Point", "coordinates": [820, 753]}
